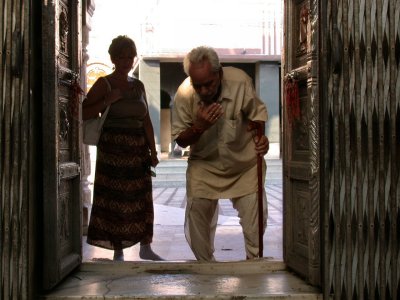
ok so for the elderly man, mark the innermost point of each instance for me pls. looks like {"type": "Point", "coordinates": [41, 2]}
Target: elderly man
{"type": "Point", "coordinates": [214, 112]}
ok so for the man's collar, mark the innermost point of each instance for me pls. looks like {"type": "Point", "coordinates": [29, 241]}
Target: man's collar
{"type": "Point", "coordinates": [226, 92]}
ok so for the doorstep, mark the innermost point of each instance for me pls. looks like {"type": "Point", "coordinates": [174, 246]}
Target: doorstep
{"type": "Point", "coordinates": [253, 279]}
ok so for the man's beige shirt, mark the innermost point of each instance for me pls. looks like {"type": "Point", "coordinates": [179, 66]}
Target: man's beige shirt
{"type": "Point", "coordinates": [222, 164]}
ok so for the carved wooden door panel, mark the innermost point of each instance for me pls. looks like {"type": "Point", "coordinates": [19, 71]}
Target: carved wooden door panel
{"type": "Point", "coordinates": [360, 70]}
{"type": "Point", "coordinates": [301, 237]}
{"type": "Point", "coordinates": [61, 148]}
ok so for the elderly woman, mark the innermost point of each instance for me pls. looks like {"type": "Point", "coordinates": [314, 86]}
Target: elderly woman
{"type": "Point", "coordinates": [122, 214]}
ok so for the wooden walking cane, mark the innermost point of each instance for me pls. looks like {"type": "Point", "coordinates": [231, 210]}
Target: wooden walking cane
{"type": "Point", "coordinates": [259, 132]}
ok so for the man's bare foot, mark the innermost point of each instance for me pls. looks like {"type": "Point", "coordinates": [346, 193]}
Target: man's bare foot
{"type": "Point", "coordinates": [147, 253]}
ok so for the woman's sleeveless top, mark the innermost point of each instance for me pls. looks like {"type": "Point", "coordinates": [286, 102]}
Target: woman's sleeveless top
{"type": "Point", "coordinates": [129, 111]}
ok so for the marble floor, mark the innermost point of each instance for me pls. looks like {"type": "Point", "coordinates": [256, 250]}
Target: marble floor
{"type": "Point", "coordinates": [256, 279]}
{"type": "Point", "coordinates": [169, 240]}
{"type": "Point", "coordinates": [169, 196]}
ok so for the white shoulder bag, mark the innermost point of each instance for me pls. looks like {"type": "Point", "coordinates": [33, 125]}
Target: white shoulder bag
{"type": "Point", "coordinates": [92, 127]}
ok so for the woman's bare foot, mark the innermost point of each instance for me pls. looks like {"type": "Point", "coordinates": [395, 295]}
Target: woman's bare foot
{"type": "Point", "coordinates": [119, 255]}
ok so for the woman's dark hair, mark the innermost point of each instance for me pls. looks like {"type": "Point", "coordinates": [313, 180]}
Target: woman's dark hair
{"type": "Point", "coordinates": [120, 43]}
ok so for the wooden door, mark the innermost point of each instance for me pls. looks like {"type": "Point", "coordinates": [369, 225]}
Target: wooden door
{"type": "Point", "coordinates": [360, 72]}
{"type": "Point", "coordinates": [62, 213]}
{"type": "Point", "coordinates": [301, 235]}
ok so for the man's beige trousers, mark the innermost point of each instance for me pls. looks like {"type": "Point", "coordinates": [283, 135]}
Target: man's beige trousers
{"type": "Point", "coordinates": [201, 219]}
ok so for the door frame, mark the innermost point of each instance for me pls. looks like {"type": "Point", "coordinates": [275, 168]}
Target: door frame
{"type": "Point", "coordinates": [62, 228]}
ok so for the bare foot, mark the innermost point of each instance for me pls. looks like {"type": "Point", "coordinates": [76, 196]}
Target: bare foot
{"type": "Point", "coordinates": [118, 255]}
{"type": "Point", "coordinates": [147, 253]}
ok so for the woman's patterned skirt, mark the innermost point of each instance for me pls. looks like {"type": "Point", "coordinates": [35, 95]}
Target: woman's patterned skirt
{"type": "Point", "coordinates": [122, 212]}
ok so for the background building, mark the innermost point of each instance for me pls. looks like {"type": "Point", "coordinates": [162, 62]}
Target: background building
{"type": "Point", "coordinates": [246, 34]}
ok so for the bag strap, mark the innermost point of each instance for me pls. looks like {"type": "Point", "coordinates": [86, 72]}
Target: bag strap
{"type": "Point", "coordinates": [104, 115]}
{"type": "Point", "coordinates": [108, 83]}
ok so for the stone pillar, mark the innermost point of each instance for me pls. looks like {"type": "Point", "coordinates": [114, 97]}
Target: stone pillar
{"type": "Point", "coordinates": [149, 74]}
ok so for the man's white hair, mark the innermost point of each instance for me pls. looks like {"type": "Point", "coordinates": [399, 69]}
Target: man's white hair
{"type": "Point", "coordinates": [199, 54]}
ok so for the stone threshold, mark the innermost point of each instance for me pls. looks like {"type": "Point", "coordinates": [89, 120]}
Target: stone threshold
{"type": "Point", "coordinates": [251, 279]}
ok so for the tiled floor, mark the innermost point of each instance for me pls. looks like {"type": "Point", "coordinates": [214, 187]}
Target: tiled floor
{"type": "Point", "coordinates": [169, 197]}
{"type": "Point", "coordinates": [169, 241]}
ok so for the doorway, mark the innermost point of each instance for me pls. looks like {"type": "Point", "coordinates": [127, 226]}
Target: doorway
{"type": "Point", "coordinates": [244, 52]}
{"type": "Point", "coordinates": [170, 200]}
